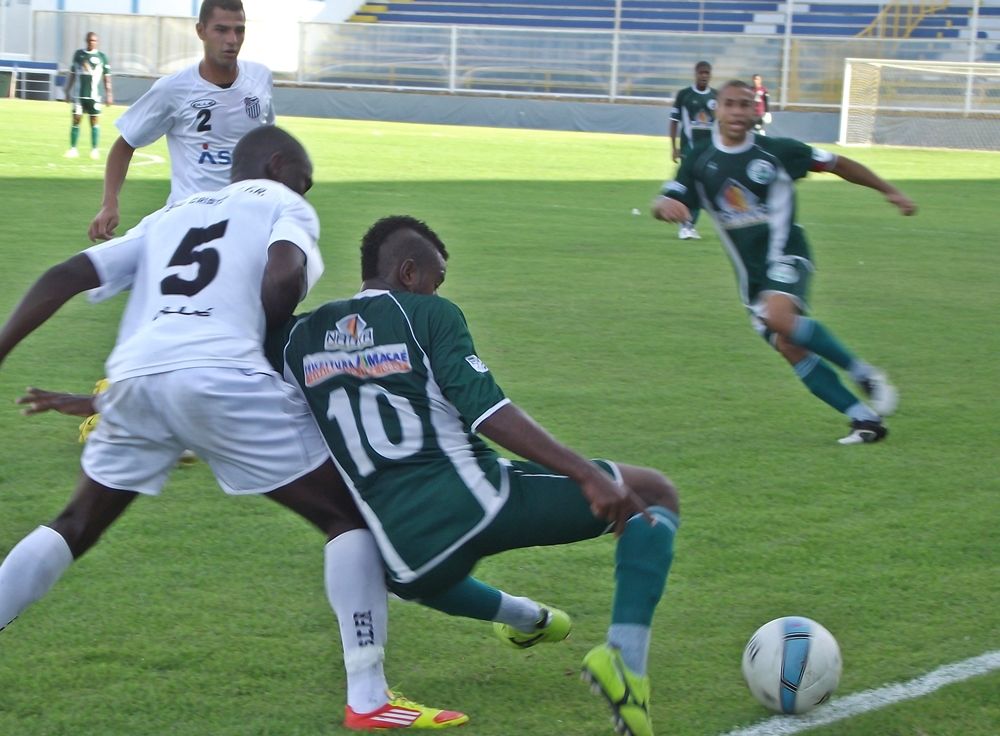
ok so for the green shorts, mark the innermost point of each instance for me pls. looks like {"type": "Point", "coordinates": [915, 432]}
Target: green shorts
{"type": "Point", "coordinates": [789, 276]}
{"type": "Point", "coordinates": [86, 106]}
{"type": "Point", "coordinates": [543, 509]}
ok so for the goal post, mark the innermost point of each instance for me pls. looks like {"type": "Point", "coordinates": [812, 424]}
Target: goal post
{"type": "Point", "coordinates": [920, 103]}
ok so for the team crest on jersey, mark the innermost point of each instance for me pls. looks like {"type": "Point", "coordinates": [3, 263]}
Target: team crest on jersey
{"type": "Point", "coordinates": [252, 105]}
{"type": "Point", "coordinates": [374, 362]}
{"type": "Point", "coordinates": [477, 365]}
{"type": "Point", "coordinates": [712, 104]}
{"type": "Point", "coordinates": [760, 171]}
{"type": "Point", "coordinates": [351, 333]}
{"type": "Point", "coordinates": [203, 103]}
{"type": "Point", "coordinates": [738, 206]}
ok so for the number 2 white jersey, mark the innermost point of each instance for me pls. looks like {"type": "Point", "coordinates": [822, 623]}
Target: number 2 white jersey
{"type": "Point", "coordinates": [195, 271]}
{"type": "Point", "coordinates": [202, 123]}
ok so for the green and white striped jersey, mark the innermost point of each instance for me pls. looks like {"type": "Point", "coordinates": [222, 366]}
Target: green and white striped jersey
{"type": "Point", "coordinates": [89, 68]}
{"type": "Point", "coordinates": [398, 392]}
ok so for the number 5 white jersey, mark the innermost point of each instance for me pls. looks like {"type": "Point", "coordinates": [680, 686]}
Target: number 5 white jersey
{"type": "Point", "coordinates": [195, 271]}
{"type": "Point", "coordinates": [202, 123]}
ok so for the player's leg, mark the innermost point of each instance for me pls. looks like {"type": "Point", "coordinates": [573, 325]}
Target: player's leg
{"type": "Point", "coordinates": [617, 669]}
{"type": "Point", "coordinates": [355, 588]}
{"type": "Point", "coordinates": [74, 130]}
{"type": "Point", "coordinates": [257, 435]}
{"type": "Point", "coordinates": [782, 316]}
{"type": "Point", "coordinates": [786, 317]}
{"type": "Point", "coordinates": [95, 131]}
{"type": "Point", "coordinates": [687, 229]}
{"type": "Point", "coordinates": [36, 562]}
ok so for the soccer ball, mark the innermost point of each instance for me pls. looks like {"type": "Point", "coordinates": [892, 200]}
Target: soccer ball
{"type": "Point", "coordinates": [792, 664]}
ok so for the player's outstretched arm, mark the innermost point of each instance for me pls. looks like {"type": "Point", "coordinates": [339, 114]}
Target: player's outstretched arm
{"type": "Point", "coordinates": [54, 288]}
{"type": "Point", "coordinates": [670, 210]}
{"type": "Point", "coordinates": [102, 227]}
{"type": "Point", "coordinates": [39, 401]}
{"type": "Point", "coordinates": [513, 429]}
{"type": "Point", "coordinates": [857, 173]}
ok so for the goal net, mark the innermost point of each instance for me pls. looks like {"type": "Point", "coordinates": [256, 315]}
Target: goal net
{"type": "Point", "coordinates": [921, 103]}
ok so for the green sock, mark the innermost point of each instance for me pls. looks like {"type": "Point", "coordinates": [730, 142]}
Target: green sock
{"type": "Point", "coordinates": [813, 336]}
{"type": "Point", "coordinates": [642, 561]}
{"type": "Point", "coordinates": [95, 135]}
{"type": "Point", "coordinates": [470, 598]}
{"type": "Point", "coordinates": [824, 383]}
{"type": "Point", "coordinates": [74, 135]}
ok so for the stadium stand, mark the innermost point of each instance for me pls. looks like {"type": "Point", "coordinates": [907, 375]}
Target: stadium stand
{"type": "Point", "coordinates": [943, 19]}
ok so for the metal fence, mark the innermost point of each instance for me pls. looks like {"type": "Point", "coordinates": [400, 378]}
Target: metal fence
{"type": "Point", "coordinates": [613, 66]}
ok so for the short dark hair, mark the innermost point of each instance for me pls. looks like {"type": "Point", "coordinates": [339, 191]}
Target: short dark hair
{"type": "Point", "coordinates": [209, 5]}
{"type": "Point", "coordinates": [702, 65]}
{"type": "Point", "coordinates": [738, 83]}
{"type": "Point", "coordinates": [254, 150]}
{"type": "Point", "coordinates": [413, 234]}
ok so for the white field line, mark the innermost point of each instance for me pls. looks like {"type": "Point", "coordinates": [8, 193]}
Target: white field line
{"type": "Point", "coordinates": [852, 705]}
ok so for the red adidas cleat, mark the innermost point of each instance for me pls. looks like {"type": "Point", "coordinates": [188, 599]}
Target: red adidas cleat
{"type": "Point", "coordinates": [400, 712]}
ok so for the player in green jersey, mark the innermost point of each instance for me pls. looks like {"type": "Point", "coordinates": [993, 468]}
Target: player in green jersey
{"type": "Point", "coordinates": [746, 183]}
{"type": "Point", "coordinates": [692, 117]}
{"type": "Point", "coordinates": [88, 74]}
{"type": "Point", "coordinates": [401, 396]}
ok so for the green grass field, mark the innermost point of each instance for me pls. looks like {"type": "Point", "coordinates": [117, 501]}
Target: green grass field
{"type": "Point", "coordinates": [202, 614]}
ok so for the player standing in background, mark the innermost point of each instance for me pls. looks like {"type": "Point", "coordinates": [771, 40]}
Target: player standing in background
{"type": "Point", "coordinates": [206, 275]}
{"type": "Point", "coordinates": [747, 185]}
{"type": "Point", "coordinates": [761, 104]}
{"type": "Point", "coordinates": [399, 393]}
{"type": "Point", "coordinates": [692, 116]}
{"type": "Point", "coordinates": [202, 110]}
{"type": "Point", "coordinates": [88, 74]}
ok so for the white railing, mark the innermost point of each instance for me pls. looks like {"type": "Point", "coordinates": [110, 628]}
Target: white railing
{"type": "Point", "coordinates": [621, 66]}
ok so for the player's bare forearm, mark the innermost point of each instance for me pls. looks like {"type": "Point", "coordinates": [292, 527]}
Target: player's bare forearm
{"type": "Point", "coordinates": [513, 429]}
{"type": "Point", "coordinates": [102, 227]}
{"type": "Point", "coordinates": [670, 210]}
{"type": "Point", "coordinates": [857, 173]}
{"type": "Point", "coordinates": [39, 401]}
{"type": "Point", "coordinates": [53, 289]}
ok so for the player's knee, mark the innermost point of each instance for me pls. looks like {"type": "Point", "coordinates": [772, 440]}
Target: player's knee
{"type": "Point", "coordinates": [75, 526]}
{"type": "Point", "coordinates": [653, 487]}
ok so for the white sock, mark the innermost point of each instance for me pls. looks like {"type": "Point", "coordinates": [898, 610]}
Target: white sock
{"type": "Point", "coordinates": [355, 587]}
{"type": "Point", "coordinates": [633, 641]}
{"type": "Point", "coordinates": [30, 570]}
{"type": "Point", "coordinates": [521, 613]}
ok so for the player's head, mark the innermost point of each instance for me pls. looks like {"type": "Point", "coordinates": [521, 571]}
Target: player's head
{"type": "Point", "coordinates": [403, 254]}
{"type": "Point", "coordinates": [269, 152]}
{"type": "Point", "coordinates": [91, 41]}
{"type": "Point", "coordinates": [702, 74]}
{"type": "Point", "coordinates": [222, 27]}
{"type": "Point", "coordinates": [734, 110]}
{"type": "Point", "coordinates": [756, 80]}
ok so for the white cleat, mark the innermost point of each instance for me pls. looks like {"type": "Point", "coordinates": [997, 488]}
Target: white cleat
{"type": "Point", "coordinates": [882, 395]}
{"type": "Point", "coordinates": [95, 153]}
{"type": "Point", "coordinates": [72, 153]}
{"type": "Point", "coordinates": [693, 234]}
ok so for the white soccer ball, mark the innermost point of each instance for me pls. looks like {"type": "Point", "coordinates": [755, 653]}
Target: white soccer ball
{"type": "Point", "coordinates": [792, 664]}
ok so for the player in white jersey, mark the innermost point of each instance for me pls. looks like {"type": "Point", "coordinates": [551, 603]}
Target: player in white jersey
{"type": "Point", "coordinates": [202, 110]}
{"type": "Point", "coordinates": [207, 275]}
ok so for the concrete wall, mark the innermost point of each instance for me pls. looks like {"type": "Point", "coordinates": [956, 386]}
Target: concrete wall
{"type": "Point", "coordinates": [505, 112]}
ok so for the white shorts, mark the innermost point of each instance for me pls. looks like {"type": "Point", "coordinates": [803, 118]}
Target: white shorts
{"type": "Point", "coordinates": [254, 430]}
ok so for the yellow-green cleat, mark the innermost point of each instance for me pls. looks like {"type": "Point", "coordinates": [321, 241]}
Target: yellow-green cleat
{"type": "Point", "coordinates": [556, 627]}
{"type": "Point", "coordinates": [626, 692]}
